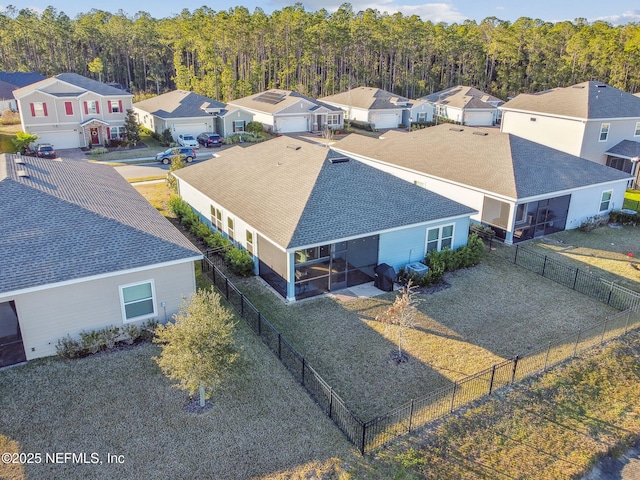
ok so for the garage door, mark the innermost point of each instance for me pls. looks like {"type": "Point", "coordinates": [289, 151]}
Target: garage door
{"type": "Point", "coordinates": [477, 119]}
{"type": "Point", "coordinates": [385, 120]}
{"type": "Point", "coordinates": [60, 139]}
{"type": "Point", "coordinates": [292, 124]}
{"type": "Point", "coordinates": [195, 129]}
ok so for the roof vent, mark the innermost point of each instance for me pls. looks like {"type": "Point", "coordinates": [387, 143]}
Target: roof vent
{"type": "Point", "coordinates": [339, 160]}
{"type": "Point", "coordinates": [18, 160]}
{"type": "Point", "coordinates": [293, 146]}
{"type": "Point", "coordinates": [482, 134]}
{"type": "Point", "coordinates": [456, 129]}
{"type": "Point", "coordinates": [23, 173]}
{"type": "Point", "coordinates": [601, 86]}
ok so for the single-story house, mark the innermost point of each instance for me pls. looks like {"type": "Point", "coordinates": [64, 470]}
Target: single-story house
{"type": "Point", "coordinates": [285, 111]}
{"type": "Point", "coordinates": [420, 111]}
{"type": "Point", "coordinates": [71, 111]}
{"type": "Point", "coordinates": [465, 105]}
{"type": "Point", "coordinates": [373, 106]}
{"type": "Point", "coordinates": [518, 187]}
{"type": "Point", "coordinates": [315, 220]}
{"type": "Point", "coordinates": [185, 112]}
{"type": "Point", "coordinates": [81, 250]}
{"type": "Point", "coordinates": [10, 81]}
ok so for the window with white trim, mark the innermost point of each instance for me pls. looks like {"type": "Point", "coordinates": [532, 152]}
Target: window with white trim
{"type": "Point", "coordinates": [115, 106]}
{"type": "Point", "coordinates": [521, 213]}
{"type": "Point", "coordinates": [333, 119]}
{"type": "Point", "coordinates": [38, 109]}
{"type": "Point", "coordinates": [250, 242]}
{"type": "Point", "coordinates": [605, 200]}
{"type": "Point", "coordinates": [216, 218]}
{"type": "Point", "coordinates": [117, 132]}
{"type": "Point", "coordinates": [439, 238]}
{"type": "Point", "coordinates": [138, 301]}
{"type": "Point", "coordinates": [230, 227]}
{"type": "Point", "coordinates": [604, 132]}
{"type": "Point", "coordinates": [91, 107]}
{"type": "Point", "coordinates": [422, 117]}
{"type": "Point", "coordinates": [637, 131]}
{"type": "Point", "coordinates": [238, 125]}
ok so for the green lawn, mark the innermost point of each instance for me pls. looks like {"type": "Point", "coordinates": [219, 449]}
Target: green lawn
{"type": "Point", "coordinates": [153, 147]}
{"type": "Point", "coordinates": [632, 200]}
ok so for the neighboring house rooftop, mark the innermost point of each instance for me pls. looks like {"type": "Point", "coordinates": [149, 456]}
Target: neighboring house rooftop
{"type": "Point", "coordinates": [587, 100]}
{"type": "Point", "coordinates": [20, 79]}
{"type": "Point", "coordinates": [180, 104]}
{"type": "Point", "coordinates": [67, 220]}
{"type": "Point", "coordinates": [462, 96]}
{"type": "Point", "coordinates": [291, 193]}
{"type": "Point", "coordinates": [482, 158]}
{"type": "Point", "coordinates": [83, 83]}
{"type": "Point", "coordinates": [274, 100]}
{"type": "Point", "coordinates": [368, 98]}
{"type": "Point", "coordinates": [625, 149]}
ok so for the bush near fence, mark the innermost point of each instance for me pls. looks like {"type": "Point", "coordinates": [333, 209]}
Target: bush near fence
{"type": "Point", "coordinates": [434, 405]}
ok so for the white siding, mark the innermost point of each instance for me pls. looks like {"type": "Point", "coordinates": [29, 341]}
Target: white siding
{"type": "Point", "coordinates": [47, 315]}
{"type": "Point", "coordinates": [585, 203]}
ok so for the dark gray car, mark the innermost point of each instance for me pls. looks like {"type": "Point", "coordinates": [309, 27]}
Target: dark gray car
{"type": "Point", "coordinates": [187, 153]}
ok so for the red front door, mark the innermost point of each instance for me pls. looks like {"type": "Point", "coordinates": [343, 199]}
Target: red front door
{"type": "Point", "coordinates": [95, 139]}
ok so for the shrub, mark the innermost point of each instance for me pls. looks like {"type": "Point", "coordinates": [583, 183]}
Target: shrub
{"type": "Point", "coordinates": [178, 207]}
{"type": "Point", "coordinates": [9, 118]}
{"type": "Point", "coordinates": [240, 261]}
{"type": "Point", "coordinates": [147, 332]}
{"type": "Point", "coordinates": [109, 336]}
{"type": "Point", "coordinates": [130, 333]}
{"type": "Point", "coordinates": [254, 127]}
{"type": "Point", "coordinates": [69, 348]}
{"type": "Point", "coordinates": [91, 341]}
{"type": "Point", "coordinates": [624, 218]}
{"type": "Point", "coordinates": [99, 150]}
{"type": "Point", "coordinates": [216, 240]}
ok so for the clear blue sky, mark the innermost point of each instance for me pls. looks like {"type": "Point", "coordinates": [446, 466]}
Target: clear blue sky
{"type": "Point", "coordinates": [613, 11]}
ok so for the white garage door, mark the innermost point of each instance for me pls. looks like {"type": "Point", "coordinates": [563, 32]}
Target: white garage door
{"type": "Point", "coordinates": [292, 124]}
{"type": "Point", "coordinates": [478, 119]}
{"type": "Point", "coordinates": [386, 120]}
{"type": "Point", "coordinates": [60, 139]}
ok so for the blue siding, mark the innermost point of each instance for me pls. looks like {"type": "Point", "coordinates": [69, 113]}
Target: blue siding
{"type": "Point", "coordinates": [400, 247]}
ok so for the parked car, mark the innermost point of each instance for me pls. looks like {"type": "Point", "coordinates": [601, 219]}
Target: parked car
{"type": "Point", "coordinates": [187, 154]}
{"type": "Point", "coordinates": [188, 140]}
{"type": "Point", "coordinates": [210, 139]}
{"type": "Point", "coordinates": [45, 150]}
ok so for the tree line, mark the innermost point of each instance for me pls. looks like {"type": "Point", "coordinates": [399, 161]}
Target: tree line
{"type": "Point", "coordinates": [234, 53]}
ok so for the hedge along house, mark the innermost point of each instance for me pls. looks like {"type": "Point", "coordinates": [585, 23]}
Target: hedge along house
{"type": "Point", "coordinates": [317, 221]}
{"type": "Point", "coordinates": [518, 187]}
{"type": "Point", "coordinates": [81, 250]}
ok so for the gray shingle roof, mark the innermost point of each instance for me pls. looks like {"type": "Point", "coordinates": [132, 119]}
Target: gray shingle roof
{"type": "Point", "coordinates": [587, 100]}
{"type": "Point", "coordinates": [91, 85]}
{"type": "Point", "coordinates": [178, 104]}
{"type": "Point", "coordinates": [625, 149]}
{"type": "Point", "coordinates": [20, 79]}
{"type": "Point", "coordinates": [368, 98]}
{"type": "Point", "coordinates": [297, 197]}
{"type": "Point", "coordinates": [496, 162]}
{"type": "Point", "coordinates": [72, 219]}
{"type": "Point", "coordinates": [462, 96]}
{"type": "Point", "coordinates": [288, 98]}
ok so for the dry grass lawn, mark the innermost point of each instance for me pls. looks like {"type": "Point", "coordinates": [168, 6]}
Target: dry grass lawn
{"type": "Point", "coordinates": [490, 313]}
{"type": "Point", "coordinates": [603, 251]}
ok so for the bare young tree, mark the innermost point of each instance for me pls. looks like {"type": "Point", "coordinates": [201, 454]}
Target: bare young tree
{"type": "Point", "coordinates": [400, 316]}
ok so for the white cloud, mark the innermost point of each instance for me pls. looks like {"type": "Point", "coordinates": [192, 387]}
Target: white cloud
{"type": "Point", "coordinates": [626, 17]}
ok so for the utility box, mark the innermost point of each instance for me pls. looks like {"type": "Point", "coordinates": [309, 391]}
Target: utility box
{"type": "Point", "coordinates": [417, 268]}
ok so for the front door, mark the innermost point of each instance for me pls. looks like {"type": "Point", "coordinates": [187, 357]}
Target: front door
{"type": "Point", "coordinates": [11, 346]}
{"type": "Point", "coordinates": [95, 138]}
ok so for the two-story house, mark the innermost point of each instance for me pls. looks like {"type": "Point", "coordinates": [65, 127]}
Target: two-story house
{"type": "Point", "coordinates": [71, 111]}
{"type": "Point", "coordinates": [591, 120]}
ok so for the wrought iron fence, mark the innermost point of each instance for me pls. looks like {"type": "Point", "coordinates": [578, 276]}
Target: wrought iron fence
{"type": "Point", "coordinates": [434, 405]}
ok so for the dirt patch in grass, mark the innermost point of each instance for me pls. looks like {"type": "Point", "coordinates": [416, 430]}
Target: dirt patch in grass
{"type": "Point", "coordinates": [157, 194]}
{"type": "Point", "coordinates": [611, 253]}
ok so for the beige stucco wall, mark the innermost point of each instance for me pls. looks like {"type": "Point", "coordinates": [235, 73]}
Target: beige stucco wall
{"type": "Point", "coordinates": [49, 314]}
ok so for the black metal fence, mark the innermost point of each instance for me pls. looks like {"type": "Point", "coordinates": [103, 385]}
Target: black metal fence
{"type": "Point", "coordinates": [589, 284]}
{"type": "Point", "coordinates": [432, 406]}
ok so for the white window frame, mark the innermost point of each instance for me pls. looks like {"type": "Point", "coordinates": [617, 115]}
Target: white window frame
{"type": "Point", "coordinates": [92, 107]}
{"type": "Point", "coordinates": [115, 106]}
{"type": "Point", "coordinates": [522, 218]}
{"type": "Point", "coordinates": [421, 117]}
{"type": "Point", "coordinates": [123, 304]}
{"type": "Point", "coordinates": [38, 109]}
{"type": "Point", "coordinates": [605, 128]}
{"type": "Point", "coordinates": [636, 133]}
{"type": "Point", "coordinates": [231, 227]}
{"type": "Point", "coordinates": [120, 133]}
{"type": "Point", "coordinates": [238, 126]}
{"type": "Point", "coordinates": [440, 238]}
{"type": "Point", "coordinates": [607, 201]}
{"type": "Point", "coordinates": [249, 237]}
{"type": "Point", "coordinates": [333, 119]}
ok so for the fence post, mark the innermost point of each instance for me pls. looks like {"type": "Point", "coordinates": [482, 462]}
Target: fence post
{"type": "Point", "coordinates": [303, 371]}
{"type": "Point", "coordinates": [515, 366]}
{"type": "Point", "coordinates": [546, 358]}
{"type": "Point", "coordinates": [330, 402]}
{"type": "Point", "coordinates": [242, 305]}
{"type": "Point", "coordinates": [410, 416]}
{"type": "Point", "coordinates": [213, 275]}
{"type": "Point", "coordinates": [453, 396]}
{"type": "Point", "coordinates": [364, 436]}
{"type": "Point", "coordinates": [279, 346]}
{"type": "Point", "coordinates": [544, 265]}
{"type": "Point", "coordinates": [575, 348]}
{"type": "Point", "coordinates": [226, 287]}
{"type": "Point", "coordinates": [604, 329]}
{"type": "Point", "coordinates": [626, 325]}
{"type": "Point", "coordinates": [575, 279]}
{"type": "Point", "coordinates": [259, 324]}
{"type": "Point", "coordinates": [515, 257]}
{"type": "Point", "coordinates": [610, 292]}
{"type": "Point", "coordinates": [493, 374]}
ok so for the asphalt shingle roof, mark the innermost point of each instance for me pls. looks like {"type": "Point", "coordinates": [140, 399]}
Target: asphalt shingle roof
{"type": "Point", "coordinates": [368, 98]}
{"type": "Point", "coordinates": [297, 197]}
{"type": "Point", "coordinates": [462, 96]}
{"type": "Point", "coordinates": [587, 100]}
{"type": "Point", "coordinates": [20, 79]}
{"type": "Point", "coordinates": [625, 149]}
{"type": "Point", "coordinates": [71, 219]}
{"type": "Point", "coordinates": [288, 98]}
{"type": "Point", "coordinates": [178, 104]}
{"type": "Point", "coordinates": [482, 158]}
